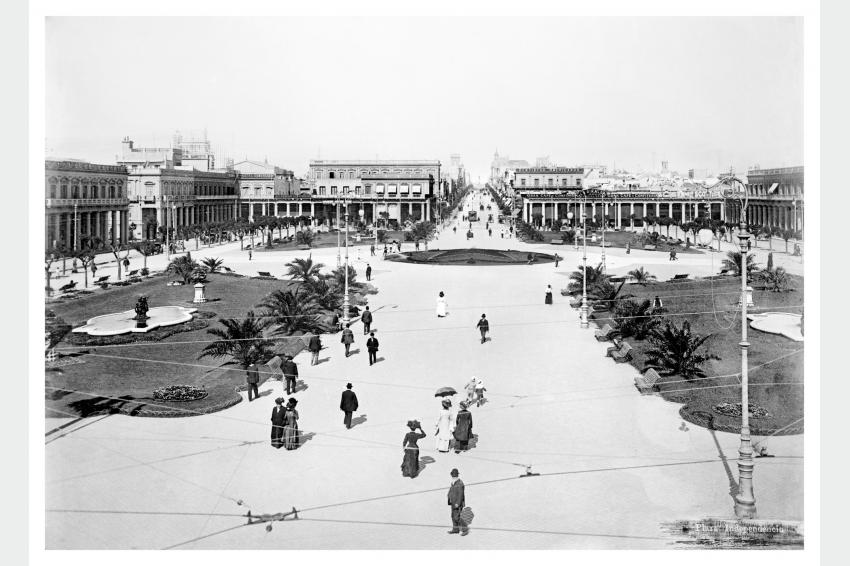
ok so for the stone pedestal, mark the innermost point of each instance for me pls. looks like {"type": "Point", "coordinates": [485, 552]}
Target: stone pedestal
{"type": "Point", "coordinates": [200, 297]}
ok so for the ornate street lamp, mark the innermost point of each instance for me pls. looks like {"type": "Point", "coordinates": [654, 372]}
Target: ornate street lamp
{"type": "Point", "coordinates": [584, 322]}
{"type": "Point", "coordinates": [346, 316]}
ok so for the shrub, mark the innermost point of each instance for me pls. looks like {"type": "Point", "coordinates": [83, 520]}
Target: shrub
{"type": "Point", "coordinates": [305, 237]}
{"type": "Point", "coordinates": [675, 351]}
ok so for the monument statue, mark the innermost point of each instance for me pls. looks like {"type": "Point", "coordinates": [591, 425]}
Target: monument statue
{"type": "Point", "coordinates": [141, 312]}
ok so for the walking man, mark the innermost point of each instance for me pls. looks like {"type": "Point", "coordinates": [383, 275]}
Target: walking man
{"type": "Point", "coordinates": [348, 404]}
{"type": "Point", "coordinates": [484, 326]}
{"type": "Point", "coordinates": [372, 347]}
{"type": "Point", "coordinates": [347, 338]}
{"type": "Point", "coordinates": [250, 255]}
{"type": "Point", "coordinates": [253, 380]}
{"type": "Point", "coordinates": [557, 259]}
{"type": "Point", "coordinates": [290, 374]}
{"type": "Point", "coordinates": [372, 249]}
{"type": "Point", "coordinates": [315, 347]}
{"type": "Point", "coordinates": [456, 502]}
{"type": "Point", "coordinates": [366, 318]}
{"type": "Point", "coordinates": [368, 272]}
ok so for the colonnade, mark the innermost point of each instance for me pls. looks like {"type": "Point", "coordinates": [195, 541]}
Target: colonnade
{"type": "Point", "coordinates": [64, 229]}
{"type": "Point", "coordinates": [620, 212]}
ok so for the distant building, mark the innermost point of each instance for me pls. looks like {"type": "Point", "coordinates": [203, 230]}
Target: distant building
{"type": "Point", "coordinates": [146, 157]}
{"type": "Point", "coordinates": [85, 200]}
{"type": "Point", "coordinates": [260, 185]}
{"type": "Point", "coordinates": [774, 198]}
{"type": "Point", "coordinates": [196, 153]}
{"type": "Point", "coordinates": [397, 189]}
{"type": "Point", "coordinates": [503, 168]}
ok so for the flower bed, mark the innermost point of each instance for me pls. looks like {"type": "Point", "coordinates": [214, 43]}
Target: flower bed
{"type": "Point", "coordinates": [734, 410]}
{"type": "Point", "coordinates": [179, 393]}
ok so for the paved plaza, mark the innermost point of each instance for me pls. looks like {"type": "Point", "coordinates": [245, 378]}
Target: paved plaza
{"type": "Point", "coordinates": [613, 465]}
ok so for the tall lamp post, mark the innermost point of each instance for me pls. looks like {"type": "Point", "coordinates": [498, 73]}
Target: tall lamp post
{"type": "Point", "coordinates": [604, 227]}
{"type": "Point", "coordinates": [585, 323]}
{"type": "Point", "coordinates": [346, 316]}
{"type": "Point", "coordinates": [338, 260]}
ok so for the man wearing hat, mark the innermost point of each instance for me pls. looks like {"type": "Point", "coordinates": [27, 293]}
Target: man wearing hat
{"type": "Point", "coordinates": [484, 326]}
{"type": "Point", "coordinates": [253, 380]}
{"type": "Point", "coordinates": [457, 502]}
{"type": "Point", "coordinates": [348, 404]}
{"type": "Point", "coordinates": [290, 373]}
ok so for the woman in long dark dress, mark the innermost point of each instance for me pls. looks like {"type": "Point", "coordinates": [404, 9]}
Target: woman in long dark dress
{"type": "Point", "coordinates": [290, 425]}
{"type": "Point", "coordinates": [278, 420]}
{"type": "Point", "coordinates": [410, 463]}
{"type": "Point", "coordinates": [463, 428]}
{"type": "Point", "coordinates": [548, 294]}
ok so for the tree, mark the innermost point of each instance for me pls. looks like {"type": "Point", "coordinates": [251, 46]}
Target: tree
{"type": "Point", "coordinates": [305, 237]}
{"type": "Point", "coordinates": [288, 312]}
{"type": "Point", "coordinates": [594, 276]}
{"type": "Point", "coordinates": [606, 296]}
{"type": "Point", "coordinates": [326, 295]}
{"type": "Point", "coordinates": [86, 254]}
{"type": "Point", "coordinates": [665, 221]}
{"type": "Point", "coordinates": [787, 234]}
{"type": "Point", "coordinates": [187, 269]}
{"type": "Point", "coordinates": [49, 257]}
{"type": "Point", "coordinates": [304, 269]}
{"type": "Point", "coordinates": [675, 351]}
{"type": "Point", "coordinates": [212, 264]}
{"type": "Point", "coordinates": [733, 263]}
{"type": "Point", "coordinates": [146, 248]}
{"type": "Point", "coordinates": [636, 319]}
{"type": "Point", "coordinates": [115, 251]}
{"type": "Point", "coordinates": [241, 340]}
{"type": "Point", "coordinates": [641, 276]}
{"type": "Point", "coordinates": [776, 280]}
{"type": "Point", "coordinates": [767, 232]}
{"type": "Point", "coordinates": [423, 231]}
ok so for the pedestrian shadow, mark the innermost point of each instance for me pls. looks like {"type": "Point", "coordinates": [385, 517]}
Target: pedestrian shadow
{"type": "Point", "coordinates": [352, 352]}
{"type": "Point", "coordinates": [473, 442]}
{"type": "Point", "coordinates": [323, 360]}
{"type": "Point", "coordinates": [424, 461]}
{"type": "Point", "coordinates": [381, 359]}
{"type": "Point", "coordinates": [358, 420]}
{"type": "Point", "coordinates": [265, 393]}
{"type": "Point", "coordinates": [300, 386]}
{"type": "Point", "coordinates": [305, 438]}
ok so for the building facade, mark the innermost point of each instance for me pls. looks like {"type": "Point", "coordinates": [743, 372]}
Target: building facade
{"type": "Point", "coordinates": [85, 200]}
{"type": "Point", "coordinates": [171, 198]}
{"type": "Point", "coordinates": [146, 157]}
{"type": "Point", "coordinates": [261, 186]}
{"type": "Point", "coordinates": [396, 190]}
{"type": "Point", "coordinates": [536, 178]}
{"type": "Point", "coordinates": [774, 198]}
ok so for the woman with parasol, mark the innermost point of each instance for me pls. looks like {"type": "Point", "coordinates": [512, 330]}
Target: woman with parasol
{"type": "Point", "coordinates": [410, 463]}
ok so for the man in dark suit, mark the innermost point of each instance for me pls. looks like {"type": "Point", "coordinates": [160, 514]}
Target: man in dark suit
{"type": "Point", "coordinates": [484, 326]}
{"type": "Point", "coordinates": [372, 347]}
{"type": "Point", "coordinates": [457, 502]}
{"type": "Point", "coordinates": [369, 271]}
{"type": "Point", "coordinates": [348, 404]}
{"type": "Point", "coordinates": [315, 347]}
{"type": "Point", "coordinates": [278, 421]}
{"type": "Point", "coordinates": [347, 338]}
{"type": "Point", "coordinates": [290, 374]}
{"type": "Point", "coordinates": [366, 319]}
{"type": "Point", "coordinates": [253, 380]}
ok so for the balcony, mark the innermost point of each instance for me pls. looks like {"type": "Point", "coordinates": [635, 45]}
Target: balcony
{"type": "Point", "coordinates": [63, 202]}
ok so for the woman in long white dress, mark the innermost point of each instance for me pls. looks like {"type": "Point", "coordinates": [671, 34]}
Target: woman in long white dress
{"type": "Point", "coordinates": [445, 427]}
{"type": "Point", "coordinates": [442, 305]}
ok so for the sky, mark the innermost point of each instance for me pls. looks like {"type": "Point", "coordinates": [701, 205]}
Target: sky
{"type": "Point", "coordinates": [631, 92]}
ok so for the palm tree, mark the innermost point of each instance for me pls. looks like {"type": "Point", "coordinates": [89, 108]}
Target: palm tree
{"type": "Point", "coordinates": [733, 263]}
{"type": "Point", "coordinates": [292, 311]}
{"type": "Point", "coordinates": [675, 351]}
{"type": "Point", "coordinates": [304, 269]}
{"type": "Point", "coordinates": [423, 231]}
{"type": "Point", "coordinates": [776, 280]}
{"type": "Point", "coordinates": [641, 276]}
{"type": "Point", "coordinates": [606, 296]}
{"type": "Point", "coordinates": [636, 319]}
{"type": "Point", "coordinates": [594, 276]}
{"type": "Point", "coordinates": [213, 264]}
{"type": "Point", "coordinates": [186, 268]}
{"type": "Point", "coordinates": [338, 276]}
{"type": "Point", "coordinates": [328, 296]}
{"type": "Point", "coordinates": [241, 340]}
{"type": "Point", "coordinates": [305, 237]}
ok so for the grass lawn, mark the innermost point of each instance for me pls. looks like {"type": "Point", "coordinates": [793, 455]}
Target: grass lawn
{"type": "Point", "coordinates": [619, 240]}
{"type": "Point", "coordinates": [130, 372]}
{"type": "Point", "coordinates": [770, 386]}
{"type": "Point", "coordinates": [328, 240]}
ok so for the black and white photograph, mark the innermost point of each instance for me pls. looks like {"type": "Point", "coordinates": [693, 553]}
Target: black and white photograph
{"type": "Point", "coordinates": [429, 281]}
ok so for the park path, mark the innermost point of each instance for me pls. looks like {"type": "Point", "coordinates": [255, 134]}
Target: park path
{"type": "Point", "coordinates": [621, 464]}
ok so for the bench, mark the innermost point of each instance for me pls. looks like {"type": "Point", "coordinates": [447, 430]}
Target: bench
{"type": "Point", "coordinates": [618, 279]}
{"type": "Point", "coordinates": [68, 286]}
{"type": "Point", "coordinates": [679, 277]}
{"type": "Point", "coordinates": [557, 242]}
{"type": "Point", "coordinates": [726, 271]}
{"type": "Point", "coordinates": [227, 269]}
{"type": "Point", "coordinates": [605, 333]}
{"type": "Point", "coordinates": [303, 247]}
{"type": "Point", "coordinates": [133, 273]}
{"type": "Point", "coordinates": [646, 383]}
{"type": "Point", "coordinates": [265, 274]}
{"type": "Point", "coordinates": [650, 247]}
{"type": "Point", "coordinates": [102, 280]}
{"type": "Point", "coordinates": [623, 354]}
{"type": "Point", "coordinates": [576, 303]}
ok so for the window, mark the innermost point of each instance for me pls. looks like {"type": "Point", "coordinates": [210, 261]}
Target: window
{"type": "Point", "coordinates": [75, 192]}
{"type": "Point", "coordinates": [536, 182]}
{"type": "Point", "coordinates": [368, 189]}
{"type": "Point", "coordinates": [578, 182]}
{"type": "Point", "coordinates": [565, 182]}
{"type": "Point", "coordinates": [550, 181]}
{"type": "Point", "coordinates": [417, 189]}
{"type": "Point", "coordinates": [392, 189]}
{"type": "Point", "coordinates": [112, 191]}
{"type": "Point", "coordinates": [357, 190]}
{"type": "Point", "coordinates": [52, 192]}
{"type": "Point", "coordinates": [405, 189]}
{"type": "Point", "coordinates": [333, 190]}
{"type": "Point", "coordinates": [379, 189]}
{"type": "Point", "coordinates": [322, 190]}
{"type": "Point", "coordinates": [522, 181]}
{"type": "Point", "coordinates": [332, 175]}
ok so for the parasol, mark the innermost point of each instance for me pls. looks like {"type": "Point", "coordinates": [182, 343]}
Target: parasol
{"type": "Point", "coordinates": [445, 392]}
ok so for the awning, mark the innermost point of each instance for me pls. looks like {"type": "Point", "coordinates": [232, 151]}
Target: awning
{"type": "Point", "coordinates": [772, 188]}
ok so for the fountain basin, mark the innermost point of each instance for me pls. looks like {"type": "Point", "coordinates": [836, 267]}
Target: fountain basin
{"type": "Point", "coordinates": [123, 322]}
{"type": "Point", "coordinates": [785, 323]}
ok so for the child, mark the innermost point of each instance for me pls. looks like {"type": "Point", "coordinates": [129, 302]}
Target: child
{"type": "Point", "coordinates": [479, 392]}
